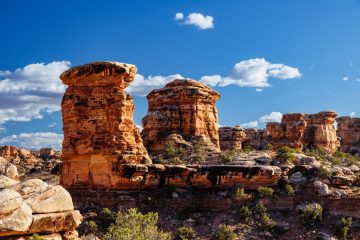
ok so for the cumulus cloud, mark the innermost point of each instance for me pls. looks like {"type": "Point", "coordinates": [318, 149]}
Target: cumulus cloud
{"type": "Point", "coordinates": [179, 16]}
{"type": "Point", "coordinates": [252, 124]}
{"type": "Point", "coordinates": [27, 93]}
{"type": "Point", "coordinates": [352, 114]}
{"type": "Point", "coordinates": [272, 117]}
{"type": "Point", "coordinates": [34, 140]}
{"type": "Point", "coordinates": [253, 73]}
{"type": "Point", "coordinates": [259, 89]}
{"type": "Point", "coordinates": [141, 85]}
{"type": "Point", "coordinates": [197, 19]}
{"type": "Point", "coordinates": [345, 78]}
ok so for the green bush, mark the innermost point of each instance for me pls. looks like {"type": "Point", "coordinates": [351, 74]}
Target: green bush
{"type": "Point", "coordinates": [265, 192]}
{"type": "Point", "coordinates": [244, 214]}
{"type": "Point", "coordinates": [224, 232]}
{"type": "Point", "coordinates": [239, 193]}
{"type": "Point", "coordinates": [132, 224]}
{"type": "Point", "coordinates": [35, 236]}
{"type": "Point", "coordinates": [260, 208]}
{"type": "Point", "coordinates": [268, 147]}
{"type": "Point", "coordinates": [90, 227]}
{"type": "Point", "coordinates": [263, 217]}
{"type": "Point", "coordinates": [286, 154]}
{"type": "Point", "coordinates": [289, 190]}
{"type": "Point", "coordinates": [247, 148]}
{"type": "Point", "coordinates": [199, 151]}
{"type": "Point", "coordinates": [311, 215]}
{"type": "Point", "coordinates": [344, 227]}
{"type": "Point", "coordinates": [227, 156]}
{"type": "Point", "coordinates": [185, 233]}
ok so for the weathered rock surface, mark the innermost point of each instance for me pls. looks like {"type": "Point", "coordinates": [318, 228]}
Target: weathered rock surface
{"type": "Point", "coordinates": [256, 139]}
{"type": "Point", "coordinates": [184, 107]}
{"type": "Point", "coordinates": [348, 129]}
{"type": "Point", "coordinates": [231, 137]}
{"type": "Point", "coordinates": [99, 132]}
{"type": "Point", "coordinates": [36, 207]}
{"type": "Point", "coordinates": [304, 131]}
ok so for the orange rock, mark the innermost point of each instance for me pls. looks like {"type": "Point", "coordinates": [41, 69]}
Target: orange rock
{"type": "Point", "coordinates": [231, 137]}
{"type": "Point", "coordinates": [184, 107]}
{"type": "Point", "coordinates": [348, 129]}
{"type": "Point", "coordinates": [99, 132]}
{"type": "Point", "coordinates": [305, 131]}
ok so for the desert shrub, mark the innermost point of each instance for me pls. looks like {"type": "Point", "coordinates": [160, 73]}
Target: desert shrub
{"type": "Point", "coordinates": [172, 155]}
{"type": "Point", "coordinates": [185, 233]}
{"type": "Point", "coordinates": [224, 232]}
{"type": "Point", "coordinates": [247, 148]}
{"type": "Point", "coordinates": [35, 236]}
{"type": "Point", "coordinates": [265, 192]}
{"type": "Point", "coordinates": [260, 208]}
{"type": "Point", "coordinates": [289, 190]}
{"type": "Point", "coordinates": [244, 214]}
{"type": "Point", "coordinates": [268, 147]}
{"type": "Point", "coordinates": [88, 227]}
{"type": "Point", "coordinates": [135, 225]}
{"type": "Point", "coordinates": [311, 215]}
{"type": "Point", "coordinates": [263, 217]}
{"type": "Point", "coordinates": [239, 193]}
{"type": "Point", "coordinates": [105, 218]}
{"type": "Point", "coordinates": [338, 158]}
{"type": "Point", "coordinates": [344, 226]}
{"type": "Point", "coordinates": [324, 172]}
{"type": "Point", "coordinates": [227, 156]}
{"type": "Point", "coordinates": [286, 154]}
{"type": "Point", "coordinates": [199, 151]}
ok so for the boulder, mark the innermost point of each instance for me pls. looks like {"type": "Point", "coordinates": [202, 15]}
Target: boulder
{"type": "Point", "coordinates": [321, 188]}
{"type": "Point", "coordinates": [10, 200]}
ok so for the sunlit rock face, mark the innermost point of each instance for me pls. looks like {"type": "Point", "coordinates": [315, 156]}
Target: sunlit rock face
{"type": "Point", "coordinates": [184, 107]}
{"type": "Point", "coordinates": [231, 138]}
{"type": "Point", "coordinates": [348, 130]}
{"type": "Point", "coordinates": [99, 132]}
{"type": "Point", "coordinates": [305, 131]}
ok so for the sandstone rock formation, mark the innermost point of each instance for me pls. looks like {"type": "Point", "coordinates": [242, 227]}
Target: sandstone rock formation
{"type": "Point", "coordinates": [231, 137]}
{"type": "Point", "coordinates": [184, 107]}
{"type": "Point", "coordinates": [255, 138]}
{"type": "Point", "coordinates": [348, 129]}
{"type": "Point", "coordinates": [36, 207]}
{"type": "Point", "coordinates": [304, 131]}
{"type": "Point", "coordinates": [99, 132]}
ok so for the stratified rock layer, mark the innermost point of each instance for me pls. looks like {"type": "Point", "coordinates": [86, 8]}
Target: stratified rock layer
{"type": "Point", "coordinates": [99, 132]}
{"type": "Point", "coordinates": [304, 131]}
{"type": "Point", "coordinates": [231, 137]}
{"type": "Point", "coordinates": [184, 107]}
{"type": "Point", "coordinates": [348, 129]}
{"type": "Point", "coordinates": [255, 138]}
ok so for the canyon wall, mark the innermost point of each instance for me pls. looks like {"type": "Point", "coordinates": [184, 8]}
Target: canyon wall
{"type": "Point", "coordinates": [231, 137]}
{"type": "Point", "coordinates": [184, 107]}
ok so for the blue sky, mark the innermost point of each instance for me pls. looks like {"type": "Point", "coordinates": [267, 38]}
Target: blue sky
{"type": "Point", "coordinates": [319, 39]}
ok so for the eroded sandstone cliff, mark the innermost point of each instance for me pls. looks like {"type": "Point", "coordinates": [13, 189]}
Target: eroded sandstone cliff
{"type": "Point", "coordinates": [184, 107]}
{"type": "Point", "coordinates": [99, 132]}
{"type": "Point", "coordinates": [303, 131]}
{"type": "Point", "coordinates": [231, 137]}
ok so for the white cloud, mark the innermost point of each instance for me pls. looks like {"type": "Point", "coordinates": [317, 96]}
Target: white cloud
{"type": "Point", "coordinates": [259, 89]}
{"type": "Point", "coordinates": [252, 124]}
{"type": "Point", "coordinates": [345, 78]}
{"type": "Point", "coordinates": [197, 19]}
{"type": "Point", "coordinates": [34, 140]}
{"type": "Point", "coordinates": [352, 114]}
{"type": "Point", "coordinates": [253, 73]}
{"type": "Point", "coordinates": [52, 125]}
{"type": "Point", "coordinates": [272, 117]}
{"type": "Point", "coordinates": [179, 16]}
{"type": "Point", "coordinates": [28, 92]}
{"type": "Point", "coordinates": [141, 86]}
{"type": "Point", "coordinates": [358, 79]}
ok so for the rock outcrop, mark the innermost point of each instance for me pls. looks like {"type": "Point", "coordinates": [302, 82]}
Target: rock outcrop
{"type": "Point", "coordinates": [231, 137]}
{"type": "Point", "coordinates": [304, 131]}
{"type": "Point", "coordinates": [36, 207]}
{"type": "Point", "coordinates": [348, 130]}
{"type": "Point", "coordinates": [184, 107]}
{"type": "Point", "coordinates": [255, 138]}
{"type": "Point", "coordinates": [99, 133]}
